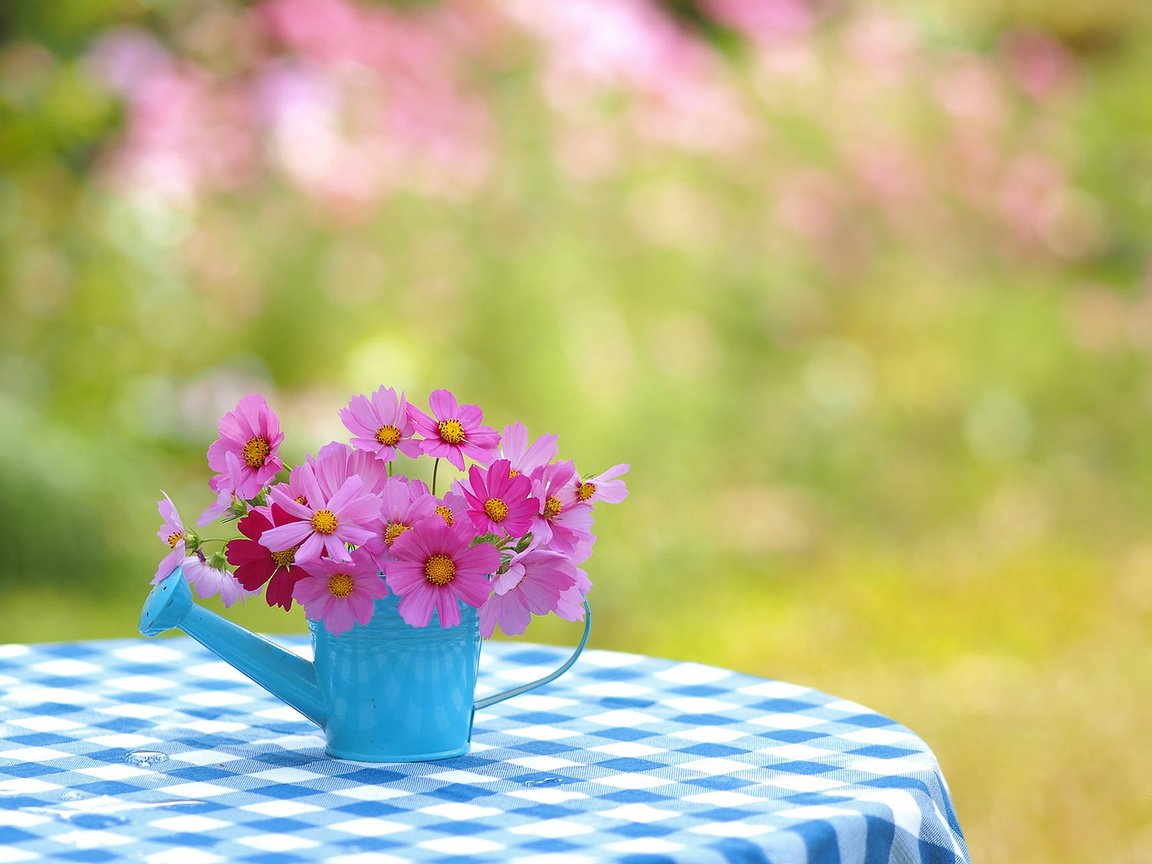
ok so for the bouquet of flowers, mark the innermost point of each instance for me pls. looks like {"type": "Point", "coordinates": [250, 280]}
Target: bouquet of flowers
{"type": "Point", "coordinates": [344, 528]}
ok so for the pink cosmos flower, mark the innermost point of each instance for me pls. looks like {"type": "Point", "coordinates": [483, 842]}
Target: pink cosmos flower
{"type": "Point", "coordinates": [340, 593]}
{"type": "Point", "coordinates": [570, 606]}
{"type": "Point", "coordinates": [172, 533]}
{"type": "Point", "coordinates": [207, 581]}
{"type": "Point", "coordinates": [381, 425]}
{"type": "Point", "coordinates": [498, 502]}
{"type": "Point", "coordinates": [327, 522]}
{"type": "Point", "coordinates": [403, 504]}
{"type": "Point", "coordinates": [454, 431]}
{"type": "Point", "coordinates": [533, 585]}
{"type": "Point", "coordinates": [603, 487]}
{"type": "Point", "coordinates": [225, 485]}
{"type": "Point", "coordinates": [251, 431]}
{"type": "Point", "coordinates": [435, 568]}
{"type": "Point", "coordinates": [526, 459]}
{"type": "Point", "coordinates": [453, 507]}
{"type": "Point", "coordinates": [336, 462]}
{"type": "Point", "coordinates": [564, 520]}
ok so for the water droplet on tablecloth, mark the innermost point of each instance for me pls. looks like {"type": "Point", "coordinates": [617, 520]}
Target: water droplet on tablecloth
{"type": "Point", "coordinates": [92, 820]}
{"type": "Point", "coordinates": [546, 781]}
{"type": "Point", "coordinates": [145, 758]}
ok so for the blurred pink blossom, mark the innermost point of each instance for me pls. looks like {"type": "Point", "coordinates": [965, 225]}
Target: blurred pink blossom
{"type": "Point", "coordinates": [633, 47]}
{"type": "Point", "coordinates": [1040, 64]}
{"type": "Point", "coordinates": [767, 20]}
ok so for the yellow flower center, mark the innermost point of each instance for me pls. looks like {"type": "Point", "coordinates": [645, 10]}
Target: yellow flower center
{"type": "Point", "coordinates": [586, 491]}
{"type": "Point", "coordinates": [394, 530]}
{"type": "Point", "coordinates": [256, 451]}
{"type": "Point", "coordinates": [389, 436]}
{"type": "Point", "coordinates": [301, 500]}
{"type": "Point", "coordinates": [285, 558]}
{"type": "Point", "coordinates": [451, 431]}
{"type": "Point", "coordinates": [512, 472]}
{"type": "Point", "coordinates": [496, 509]}
{"type": "Point", "coordinates": [552, 507]}
{"type": "Point", "coordinates": [439, 569]}
{"type": "Point", "coordinates": [324, 522]}
{"type": "Point", "coordinates": [340, 584]}
{"type": "Point", "coordinates": [174, 538]}
{"type": "Point", "coordinates": [446, 514]}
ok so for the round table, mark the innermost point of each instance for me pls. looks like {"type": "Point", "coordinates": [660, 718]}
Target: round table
{"type": "Point", "coordinates": [156, 751]}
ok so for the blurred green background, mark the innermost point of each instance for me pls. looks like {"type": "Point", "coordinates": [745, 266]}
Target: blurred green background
{"type": "Point", "coordinates": [860, 290]}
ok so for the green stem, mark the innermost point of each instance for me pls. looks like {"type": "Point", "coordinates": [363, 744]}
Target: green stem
{"type": "Point", "coordinates": [435, 468]}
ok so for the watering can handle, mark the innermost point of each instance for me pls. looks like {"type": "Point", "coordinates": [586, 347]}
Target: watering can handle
{"type": "Point", "coordinates": [539, 682]}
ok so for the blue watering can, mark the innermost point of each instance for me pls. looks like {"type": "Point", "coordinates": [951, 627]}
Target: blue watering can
{"type": "Point", "coordinates": [382, 692]}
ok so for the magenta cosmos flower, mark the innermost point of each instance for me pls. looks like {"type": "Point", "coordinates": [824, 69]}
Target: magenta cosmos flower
{"type": "Point", "coordinates": [534, 583]}
{"type": "Point", "coordinates": [341, 593]}
{"type": "Point", "coordinates": [172, 533]}
{"type": "Point", "coordinates": [434, 568]}
{"type": "Point", "coordinates": [256, 564]}
{"type": "Point", "coordinates": [454, 431]}
{"type": "Point", "coordinates": [498, 502]}
{"type": "Point", "coordinates": [327, 522]}
{"type": "Point", "coordinates": [381, 425]}
{"type": "Point", "coordinates": [251, 432]}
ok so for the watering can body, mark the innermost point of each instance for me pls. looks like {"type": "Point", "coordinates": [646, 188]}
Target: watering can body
{"type": "Point", "coordinates": [382, 692]}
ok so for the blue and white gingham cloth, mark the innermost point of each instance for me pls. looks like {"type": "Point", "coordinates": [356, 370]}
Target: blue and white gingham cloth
{"type": "Point", "coordinates": [156, 751]}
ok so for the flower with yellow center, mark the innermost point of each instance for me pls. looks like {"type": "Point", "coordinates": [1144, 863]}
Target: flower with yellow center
{"type": "Point", "coordinates": [324, 522]}
{"type": "Point", "coordinates": [436, 568]}
{"type": "Point", "coordinates": [586, 491]}
{"type": "Point", "coordinates": [388, 435]}
{"type": "Point", "coordinates": [451, 431]}
{"type": "Point", "coordinates": [340, 594]}
{"type": "Point", "coordinates": [286, 558]}
{"type": "Point", "coordinates": [446, 514]}
{"type": "Point", "coordinates": [439, 570]}
{"type": "Point", "coordinates": [394, 530]}
{"type": "Point", "coordinates": [174, 538]}
{"type": "Point", "coordinates": [340, 584]}
{"type": "Point", "coordinates": [552, 507]}
{"type": "Point", "coordinates": [256, 451]}
{"type": "Point", "coordinates": [496, 509]}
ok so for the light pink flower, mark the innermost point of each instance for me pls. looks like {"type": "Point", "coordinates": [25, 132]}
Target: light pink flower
{"type": "Point", "coordinates": [403, 504]}
{"type": "Point", "coordinates": [498, 502]}
{"type": "Point", "coordinates": [327, 522]}
{"type": "Point", "coordinates": [526, 458]}
{"type": "Point", "coordinates": [341, 594]}
{"type": "Point", "coordinates": [603, 487]}
{"type": "Point", "coordinates": [251, 431]}
{"type": "Point", "coordinates": [453, 507]}
{"type": "Point", "coordinates": [172, 533]}
{"type": "Point", "coordinates": [381, 425]}
{"type": "Point", "coordinates": [454, 431]}
{"type": "Point", "coordinates": [207, 581]}
{"type": "Point", "coordinates": [534, 583]}
{"type": "Point", "coordinates": [434, 568]}
{"type": "Point", "coordinates": [570, 607]}
{"type": "Point", "coordinates": [225, 485]}
{"type": "Point", "coordinates": [564, 520]}
{"type": "Point", "coordinates": [336, 462]}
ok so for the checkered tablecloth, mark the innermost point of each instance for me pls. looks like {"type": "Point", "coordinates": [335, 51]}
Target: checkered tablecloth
{"type": "Point", "coordinates": [155, 751]}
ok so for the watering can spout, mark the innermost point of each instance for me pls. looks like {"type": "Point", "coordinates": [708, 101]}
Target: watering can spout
{"type": "Point", "coordinates": [280, 672]}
